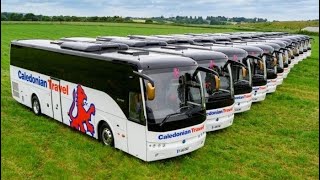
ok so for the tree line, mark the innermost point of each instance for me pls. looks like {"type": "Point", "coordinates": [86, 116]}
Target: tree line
{"type": "Point", "coordinates": [219, 20]}
{"type": "Point", "coordinates": [5, 16]}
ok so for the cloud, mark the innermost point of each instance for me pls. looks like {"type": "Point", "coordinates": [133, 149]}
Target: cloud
{"type": "Point", "coordinates": [270, 9]}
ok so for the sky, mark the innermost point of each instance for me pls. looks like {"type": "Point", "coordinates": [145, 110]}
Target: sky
{"type": "Point", "coordinates": [282, 10]}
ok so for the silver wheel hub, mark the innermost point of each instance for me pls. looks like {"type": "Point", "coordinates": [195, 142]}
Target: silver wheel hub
{"type": "Point", "coordinates": [36, 107]}
{"type": "Point", "coordinates": [107, 136]}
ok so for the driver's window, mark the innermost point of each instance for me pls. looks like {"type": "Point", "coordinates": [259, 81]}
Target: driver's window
{"type": "Point", "coordinates": [136, 108]}
{"type": "Point", "coordinates": [210, 83]}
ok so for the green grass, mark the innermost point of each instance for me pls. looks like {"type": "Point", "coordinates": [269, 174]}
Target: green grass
{"type": "Point", "coordinates": [289, 26]}
{"type": "Point", "coordinates": [276, 139]}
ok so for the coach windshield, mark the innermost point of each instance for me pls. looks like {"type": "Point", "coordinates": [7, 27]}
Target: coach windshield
{"type": "Point", "coordinates": [178, 99]}
{"type": "Point", "coordinates": [217, 98]}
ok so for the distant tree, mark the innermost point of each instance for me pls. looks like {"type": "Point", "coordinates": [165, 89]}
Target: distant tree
{"type": "Point", "coordinates": [67, 18]}
{"type": "Point", "coordinates": [58, 18]}
{"type": "Point", "coordinates": [46, 18]}
{"type": "Point", "coordinates": [148, 21]}
{"type": "Point", "coordinates": [102, 19]}
{"type": "Point", "coordinates": [29, 17]}
{"type": "Point", "coordinates": [54, 18]}
{"type": "Point", "coordinates": [118, 19]}
{"type": "Point", "coordinates": [15, 17]}
{"type": "Point", "coordinates": [75, 18]}
{"type": "Point", "coordinates": [214, 22]}
{"type": "Point", "coordinates": [61, 18]}
{"type": "Point", "coordinates": [128, 19]}
{"type": "Point", "coordinates": [4, 17]}
{"type": "Point", "coordinates": [93, 19]}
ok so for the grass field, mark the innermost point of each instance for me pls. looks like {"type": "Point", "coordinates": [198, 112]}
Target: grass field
{"type": "Point", "coordinates": [289, 26]}
{"type": "Point", "coordinates": [277, 139]}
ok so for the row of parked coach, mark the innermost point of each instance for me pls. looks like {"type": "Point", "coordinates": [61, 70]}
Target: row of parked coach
{"type": "Point", "coordinates": [156, 96]}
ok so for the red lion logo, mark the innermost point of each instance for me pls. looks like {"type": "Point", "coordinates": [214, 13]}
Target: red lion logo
{"type": "Point", "coordinates": [83, 116]}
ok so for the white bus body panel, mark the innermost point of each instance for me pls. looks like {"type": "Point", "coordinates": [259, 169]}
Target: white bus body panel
{"type": "Point", "coordinates": [242, 102]}
{"type": "Point", "coordinates": [300, 57]}
{"type": "Point", "coordinates": [106, 108]}
{"type": "Point", "coordinates": [309, 53]}
{"type": "Point", "coordinates": [162, 145]}
{"type": "Point", "coordinates": [305, 55]}
{"type": "Point", "coordinates": [259, 93]}
{"type": "Point", "coordinates": [137, 140]}
{"type": "Point", "coordinates": [291, 65]}
{"type": "Point", "coordinates": [26, 89]}
{"type": "Point", "coordinates": [295, 60]}
{"type": "Point", "coordinates": [219, 118]}
{"type": "Point", "coordinates": [56, 102]}
{"type": "Point", "coordinates": [271, 85]}
{"type": "Point", "coordinates": [286, 72]}
{"type": "Point", "coordinates": [279, 78]}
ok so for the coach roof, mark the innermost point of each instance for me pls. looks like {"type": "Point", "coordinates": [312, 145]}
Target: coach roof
{"type": "Point", "coordinates": [274, 45]}
{"type": "Point", "coordinates": [281, 43]}
{"type": "Point", "coordinates": [229, 51]}
{"type": "Point", "coordinates": [252, 50]}
{"type": "Point", "coordinates": [266, 48]}
{"type": "Point", "coordinates": [131, 42]}
{"type": "Point", "coordinates": [167, 40]}
{"type": "Point", "coordinates": [139, 59]}
{"type": "Point", "coordinates": [201, 39]}
{"type": "Point", "coordinates": [197, 55]}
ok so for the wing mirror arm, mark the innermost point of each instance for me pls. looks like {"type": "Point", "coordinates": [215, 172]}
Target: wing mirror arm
{"type": "Point", "coordinates": [204, 70]}
{"type": "Point", "coordinates": [260, 61]}
{"type": "Point", "coordinates": [207, 70]}
{"type": "Point", "coordinates": [143, 76]}
{"type": "Point", "coordinates": [254, 57]}
{"type": "Point", "coordinates": [284, 49]}
{"type": "Point", "coordinates": [234, 62]}
{"type": "Point", "coordinates": [277, 51]}
{"type": "Point", "coordinates": [244, 67]}
{"type": "Point", "coordinates": [267, 54]}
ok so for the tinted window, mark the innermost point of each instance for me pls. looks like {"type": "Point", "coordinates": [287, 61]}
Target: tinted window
{"type": "Point", "coordinates": [136, 108]}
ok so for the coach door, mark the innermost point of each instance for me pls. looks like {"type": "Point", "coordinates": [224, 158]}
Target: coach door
{"type": "Point", "coordinates": [56, 99]}
{"type": "Point", "coordinates": [136, 124]}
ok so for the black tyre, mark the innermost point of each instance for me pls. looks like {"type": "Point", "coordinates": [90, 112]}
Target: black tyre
{"type": "Point", "coordinates": [106, 135]}
{"type": "Point", "coordinates": [35, 105]}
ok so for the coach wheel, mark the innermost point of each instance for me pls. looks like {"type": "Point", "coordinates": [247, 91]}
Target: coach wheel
{"type": "Point", "coordinates": [36, 105]}
{"type": "Point", "coordinates": [106, 135]}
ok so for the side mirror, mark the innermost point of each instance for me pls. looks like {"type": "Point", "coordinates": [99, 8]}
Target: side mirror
{"type": "Point", "coordinates": [261, 66]}
{"type": "Point", "coordinates": [244, 72]}
{"type": "Point", "coordinates": [217, 80]}
{"type": "Point", "coordinates": [212, 73]}
{"type": "Point", "coordinates": [151, 91]}
{"type": "Point", "coordinates": [275, 61]}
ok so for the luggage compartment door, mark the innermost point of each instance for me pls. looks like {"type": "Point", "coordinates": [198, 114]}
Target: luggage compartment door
{"type": "Point", "coordinates": [56, 99]}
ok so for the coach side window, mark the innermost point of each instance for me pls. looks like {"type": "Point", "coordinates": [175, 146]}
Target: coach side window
{"type": "Point", "coordinates": [136, 108]}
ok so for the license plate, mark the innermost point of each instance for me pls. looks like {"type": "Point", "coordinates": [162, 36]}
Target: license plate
{"type": "Point", "coordinates": [182, 150]}
{"type": "Point", "coordinates": [238, 109]}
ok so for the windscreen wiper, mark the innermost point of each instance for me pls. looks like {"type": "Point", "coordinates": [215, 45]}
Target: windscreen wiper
{"type": "Point", "coordinates": [167, 117]}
